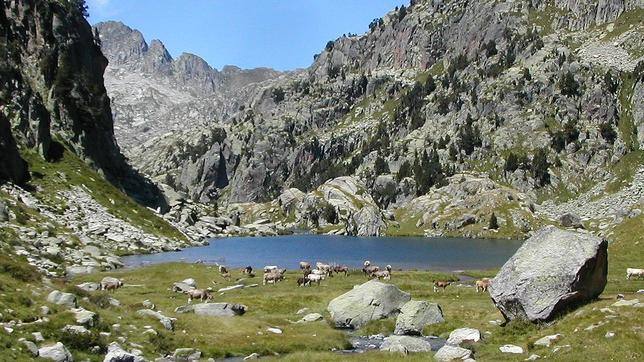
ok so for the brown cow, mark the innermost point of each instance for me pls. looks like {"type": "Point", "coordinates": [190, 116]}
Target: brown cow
{"type": "Point", "coordinates": [341, 269]}
{"type": "Point", "coordinates": [483, 284]}
{"type": "Point", "coordinates": [441, 284]}
{"type": "Point", "coordinates": [203, 295]}
{"type": "Point", "coordinates": [109, 283]}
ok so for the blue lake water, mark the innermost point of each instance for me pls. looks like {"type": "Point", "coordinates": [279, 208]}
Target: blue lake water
{"type": "Point", "coordinates": [445, 254]}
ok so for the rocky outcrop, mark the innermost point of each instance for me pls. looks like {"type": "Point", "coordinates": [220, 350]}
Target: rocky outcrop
{"type": "Point", "coordinates": [553, 271]}
{"type": "Point", "coordinates": [54, 96]}
{"type": "Point", "coordinates": [405, 344]}
{"type": "Point", "coordinates": [372, 300]}
{"type": "Point", "coordinates": [12, 167]}
{"type": "Point", "coordinates": [167, 322]}
{"type": "Point", "coordinates": [449, 353]}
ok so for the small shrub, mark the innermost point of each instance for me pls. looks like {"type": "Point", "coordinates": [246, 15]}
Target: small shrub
{"type": "Point", "coordinates": [494, 223]}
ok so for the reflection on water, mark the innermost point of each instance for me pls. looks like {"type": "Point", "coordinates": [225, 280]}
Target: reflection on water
{"type": "Point", "coordinates": [400, 252]}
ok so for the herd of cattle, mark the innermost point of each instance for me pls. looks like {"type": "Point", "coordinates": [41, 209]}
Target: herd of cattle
{"type": "Point", "coordinates": [273, 275]}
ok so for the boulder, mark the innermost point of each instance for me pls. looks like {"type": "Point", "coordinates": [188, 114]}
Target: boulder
{"type": "Point", "coordinates": [190, 281]}
{"type": "Point", "coordinates": [117, 354]}
{"type": "Point", "coordinates": [69, 329]}
{"type": "Point", "coordinates": [30, 346]}
{"type": "Point", "coordinates": [415, 315]}
{"type": "Point", "coordinates": [89, 287]}
{"type": "Point", "coordinates": [85, 317]}
{"type": "Point", "coordinates": [463, 335]}
{"type": "Point", "coordinates": [372, 300]}
{"type": "Point", "coordinates": [405, 344]}
{"type": "Point", "coordinates": [181, 287]}
{"type": "Point", "coordinates": [65, 299]}
{"type": "Point", "coordinates": [214, 309]}
{"type": "Point", "coordinates": [510, 348]}
{"type": "Point", "coordinates": [56, 352]}
{"type": "Point", "coordinates": [186, 355]}
{"type": "Point", "coordinates": [547, 340]}
{"type": "Point", "coordinates": [569, 220]}
{"type": "Point", "coordinates": [552, 271]}
{"type": "Point", "coordinates": [452, 353]}
{"type": "Point", "coordinates": [167, 322]}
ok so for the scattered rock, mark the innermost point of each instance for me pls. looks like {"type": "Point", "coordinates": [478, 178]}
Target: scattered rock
{"type": "Point", "coordinates": [463, 335]}
{"type": "Point", "coordinates": [117, 354]}
{"type": "Point", "coordinates": [181, 287]}
{"type": "Point", "coordinates": [569, 220]}
{"type": "Point", "coordinates": [190, 281]}
{"type": "Point", "coordinates": [186, 355]}
{"type": "Point", "coordinates": [449, 353]}
{"type": "Point", "coordinates": [30, 346]}
{"type": "Point", "coordinates": [64, 299]}
{"type": "Point", "coordinates": [168, 323]}
{"type": "Point", "coordinates": [38, 337]}
{"type": "Point", "coordinates": [533, 357]}
{"type": "Point", "coordinates": [405, 344]}
{"type": "Point", "coordinates": [4, 212]}
{"type": "Point", "coordinates": [76, 270]}
{"type": "Point", "coordinates": [302, 311]}
{"type": "Point", "coordinates": [214, 309]}
{"type": "Point", "coordinates": [85, 317]}
{"type": "Point", "coordinates": [311, 317]}
{"type": "Point", "coordinates": [233, 287]}
{"type": "Point", "coordinates": [251, 357]}
{"type": "Point", "coordinates": [274, 330]}
{"type": "Point", "coordinates": [510, 348]}
{"type": "Point", "coordinates": [552, 271]}
{"type": "Point", "coordinates": [148, 304]}
{"type": "Point", "coordinates": [372, 300]}
{"type": "Point", "coordinates": [415, 315]}
{"type": "Point", "coordinates": [626, 303]}
{"type": "Point", "coordinates": [75, 330]}
{"type": "Point", "coordinates": [548, 340]}
{"type": "Point", "coordinates": [56, 352]}
{"type": "Point", "coordinates": [89, 287]}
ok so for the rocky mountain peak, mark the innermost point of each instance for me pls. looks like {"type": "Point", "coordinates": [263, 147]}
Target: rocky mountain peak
{"type": "Point", "coordinates": [120, 43]}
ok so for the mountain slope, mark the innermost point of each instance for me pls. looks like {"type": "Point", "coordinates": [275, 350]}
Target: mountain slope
{"type": "Point", "coordinates": [542, 96]}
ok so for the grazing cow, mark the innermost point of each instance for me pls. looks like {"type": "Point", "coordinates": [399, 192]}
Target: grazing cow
{"type": "Point", "coordinates": [325, 268]}
{"type": "Point", "coordinates": [441, 284]}
{"type": "Point", "coordinates": [303, 282]}
{"type": "Point", "coordinates": [109, 283]}
{"type": "Point", "coordinates": [483, 284]}
{"type": "Point", "coordinates": [247, 270]}
{"type": "Point", "coordinates": [315, 278]}
{"type": "Point", "coordinates": [341, 269]}
{"type": "Point", "coordinates": [384, 274]}
{"type": "Point", "coordinates": [223, 270]}
{"type": "Point", "coordinates": [270, 268]}
{"type": "Point", "coordinates": [370, 269]}
{"type": "Point", "coordinates": [305, 265]}
{"type": "Point", "coordinates": [633, 272]}
{"type": "Point", "coordinates": [321, 273]}
{"type": "Point", "coordinates": [203, 295]}
{"type": "Point", "coordinates": [272, 278]}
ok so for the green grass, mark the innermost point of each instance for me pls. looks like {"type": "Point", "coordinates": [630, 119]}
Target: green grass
{"type": "Point", "coordinates": [624, 170]}
{"type": "Point", "coordinates": [626, 124]}
{"type": "Point", "coordinates": [625, 21]}
{"type": "Point", "coordinates": [71, 172]}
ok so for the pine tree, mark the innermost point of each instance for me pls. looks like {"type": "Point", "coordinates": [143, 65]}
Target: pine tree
{"type": "Point", "coordinates": [540, 167]}
{"type": "Point", "coordinates": [380, 166]}
{"type": "Point", "coordinates": [404, 171]}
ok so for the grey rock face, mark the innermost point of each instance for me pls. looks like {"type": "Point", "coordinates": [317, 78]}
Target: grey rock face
{"type": "Point", "coordinates": [552, 271]}
{"type": "Point", "coordinates": [56, 353]}
{"type": "Point", "coordinates": [372, 300]}
{"type": "Point", "coordinates": [405, 344]}
{"type": "Point", "coordinates": [415, 315]}
{"type": "Point", "coordinates": [214, 309]}
{"type": "Point", "coordinates": [66, 299]}
{"type": "Point", "coordinates": [12, 167]}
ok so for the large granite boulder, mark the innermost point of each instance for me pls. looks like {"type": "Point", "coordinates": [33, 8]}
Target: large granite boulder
{"type": "Point", "coordinates": [553, 270]}
{"type": "Point", "coordinates": [117, 354]}
{"type": "Point", "coordinates": [417, 314]}
{"type": "Point", "coordinates": [213, 309]}
{"type": "Point", "coordinates": [372, 300]}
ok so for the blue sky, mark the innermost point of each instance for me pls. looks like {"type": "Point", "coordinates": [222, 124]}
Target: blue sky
{"type": "Point", "coordinates": [281, 34]}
